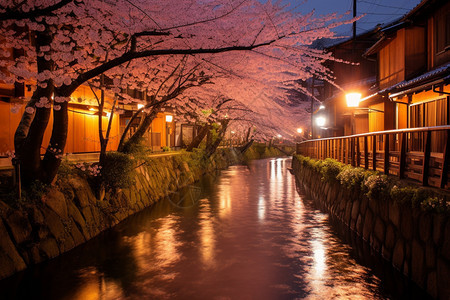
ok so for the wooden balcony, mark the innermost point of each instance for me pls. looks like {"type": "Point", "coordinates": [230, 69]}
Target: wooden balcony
{"type": "Point", "coordinates": [419, 154]}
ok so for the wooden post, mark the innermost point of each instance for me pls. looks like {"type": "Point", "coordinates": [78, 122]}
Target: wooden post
{"type": "Point", "coordinates": [386, 154]}
{"type": "Point", "coordinates": [374, 152]}
{"type": "Point", "coordinates": [445, 159]}
{"type": "Point", "coordinates": [358, 153]}
{"type": "Point", "coordinates": [352, 151]}
{"type": "Point", "coordinates": [366, 153]}
{"type": "Point", "coordinates": [402, 162]}
{"type": "Point", "coordinates": [426, 158]}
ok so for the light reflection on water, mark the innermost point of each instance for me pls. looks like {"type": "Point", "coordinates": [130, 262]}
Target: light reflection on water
{"type": "Point", "coordinates": [250, 236]}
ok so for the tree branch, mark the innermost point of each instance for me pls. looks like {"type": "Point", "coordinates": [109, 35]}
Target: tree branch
{"type": "Point", "coordinates": [15, 15]}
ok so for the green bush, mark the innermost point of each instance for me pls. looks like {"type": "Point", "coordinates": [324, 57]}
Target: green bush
{"type": "Point", "coordinates": [352, 178]}
{"type": "Point", "coordinates": [403, 195]}
{"type": "Point", "coordinates": [117, 171]}
{"type": "Point", "coordinates": [329, 169]}
{"type": "Point", "coordinates": [377, 187]}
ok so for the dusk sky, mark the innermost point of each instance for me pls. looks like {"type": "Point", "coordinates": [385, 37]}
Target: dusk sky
{"type": "Point", "coordinates": [377, 11]}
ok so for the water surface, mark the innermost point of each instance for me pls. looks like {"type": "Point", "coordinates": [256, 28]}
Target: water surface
{"type": "Point", "coordinates": [246, 234]}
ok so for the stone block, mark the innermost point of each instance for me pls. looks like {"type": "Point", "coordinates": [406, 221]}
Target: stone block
{"type": "Point", "coordinates": [359, 224]}
{"type": "Point", "coordinates": [368, 225]}
{"type": "Point", "coordinates": [432, 284]}
{"type": "Point", "coordinates": [417, 263]}
{"type": "Point", "coordinates": [78, 219]}
{"type": "Point", "coordinates": [10, 259]}
{"type": "Point", "coordinates": [443, 275]}
{"type": "Point", "coordinates": [379, 229]}
{"type": "Point", "coordinates": [398, 255]}
{"type": "Point", "coordinates": [445, 250]}
{"type": "Point", "coordinates": [56, 201]}
{"type": "Point", "coordinates": [438, 227]}
{"type": "Point", "coordinates": [54, 223]}
{"type": "Point", "coordinates": [394, 214]}
{"type": "Point", "coordinates": [20, 227]}
{"type": "Point", "coordinates": [430, 255]}
{"type": "Point", "coordinates": [406, 226]}
{"type": "Point", "coordinates": [363, 205]}
{"type": "Point", "coordinates": [355, 209]}
{"type": "Point", "coordinates": [49, 247]}
{"type": "Point", "coordinates": [389, 241]}
{"type": "Point", "coordinates": [424, 227]}
{"type": "Point", "coordinates": [83, 194]}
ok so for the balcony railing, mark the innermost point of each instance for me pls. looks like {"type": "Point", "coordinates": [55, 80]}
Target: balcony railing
{"type": "Point", "coordinates": [419, 154]}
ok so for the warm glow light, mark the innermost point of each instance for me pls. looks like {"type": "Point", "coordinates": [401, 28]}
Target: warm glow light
{"type": "Point", "coordinates": [169, 118]}
{"type": "Point", "coordinates": [320, 121]}
{"type": "Point", "coordinates": [140, 106]}
{"type": "Point", "coordinates": [232, 132]}
{"type": "Point", "coordinates": [91, 109]}
{"type": "Point", "coordinates": [279, 135]}
{"type": "Point", "coordinates": [108, 114]}
{"type": "Point", "coordinates": [353, 99]}
{"type": "Point", "coordinates": [322, 107]}
{"type": "Point", "coordinates": [299, 130]}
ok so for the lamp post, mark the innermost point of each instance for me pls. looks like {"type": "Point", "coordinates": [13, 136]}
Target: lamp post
{"type": "Point", "coordinates": [353, 100]}
{"type": "Point", "coordinates": [169, 119]}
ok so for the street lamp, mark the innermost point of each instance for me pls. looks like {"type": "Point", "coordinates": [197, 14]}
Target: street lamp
{"type": "Point", "coordinates": [299, 130]}
{"type": "Point", "coordinates": [320, 121]}
{"type": "Point", "coordinates": [169, 119]}
{"type": "Point", "coordinates": [353, 99]}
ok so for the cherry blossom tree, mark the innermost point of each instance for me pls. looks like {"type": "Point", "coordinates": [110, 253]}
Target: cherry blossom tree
{"type": "Point", "coordinates": [65, 44]}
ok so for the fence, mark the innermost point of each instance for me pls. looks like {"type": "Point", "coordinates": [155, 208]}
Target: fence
{"type": "Point", "coordinates": [419, 154]}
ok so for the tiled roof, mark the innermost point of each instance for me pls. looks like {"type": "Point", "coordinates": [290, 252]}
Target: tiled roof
{"type": "Point", "coordinates": [422, 79]}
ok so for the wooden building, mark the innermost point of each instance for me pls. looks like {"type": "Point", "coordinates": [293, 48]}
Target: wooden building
{"type": "Point", "coordinates": [413, 69]}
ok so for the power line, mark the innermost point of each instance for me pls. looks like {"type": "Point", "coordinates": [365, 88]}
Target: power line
{"type": "Point", "coordinates": [380, 14]}
{"type": "Point", "coordinates": [388, 6]}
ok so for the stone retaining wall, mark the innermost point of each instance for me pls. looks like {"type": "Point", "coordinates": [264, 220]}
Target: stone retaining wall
{"type": "Point", "coordinates": [416, 242]}
{"type": "Point", "coordinates": [70, 214]}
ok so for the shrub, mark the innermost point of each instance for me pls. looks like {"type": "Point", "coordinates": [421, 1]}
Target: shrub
{"type": "Point", "coordinates": [403, 195]}
{"type": "Point", "coordinates": [329, 168]}
{"type": "Point", "coordinates": [377, 186]}
{"type": "Point", "coordinates": [117, 171]}
{"type": "Point", "coordinates": [438, 204]}
{"type": "Point", "coordinates": [351, 177]}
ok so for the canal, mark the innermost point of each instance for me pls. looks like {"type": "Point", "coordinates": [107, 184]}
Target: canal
{"type": "Point", "coordinates": [247, 233]}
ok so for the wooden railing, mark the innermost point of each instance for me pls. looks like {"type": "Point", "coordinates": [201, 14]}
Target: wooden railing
{"type": "Point", "coordinates": [420, 154]}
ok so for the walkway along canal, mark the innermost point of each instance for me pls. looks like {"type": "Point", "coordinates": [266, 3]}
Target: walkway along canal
{"type": "Point", "coordinates": [245, 234]}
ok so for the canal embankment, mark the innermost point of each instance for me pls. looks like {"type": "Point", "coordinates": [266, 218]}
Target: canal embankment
{"type": "Point", "coordinates": [408, 226]}
{"type": "Point", "coordinates": [52, 220]}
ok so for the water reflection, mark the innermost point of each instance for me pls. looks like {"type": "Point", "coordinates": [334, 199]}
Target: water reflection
{"type": "Point", "coordinates": [250, 235]}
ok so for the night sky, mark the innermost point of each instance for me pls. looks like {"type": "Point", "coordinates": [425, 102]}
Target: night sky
{"type": "Point", "coordinates": [377, 11]}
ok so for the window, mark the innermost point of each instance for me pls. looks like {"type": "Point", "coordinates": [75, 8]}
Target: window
{"type": "Point", "coordinates": [427, 114]}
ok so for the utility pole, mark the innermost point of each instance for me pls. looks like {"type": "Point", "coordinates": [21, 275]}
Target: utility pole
{"type": "Point", "coordinates": [354, 22]}
{"type": "Point", "coordinates": [312, 108]}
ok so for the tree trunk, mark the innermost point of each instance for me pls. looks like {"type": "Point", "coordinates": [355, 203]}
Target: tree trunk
{"type": "Point", "coordinates": [125, 147]}
{"type": "Point", "coordinates": [210, 149]}
{"type": "Point", "coordinates": [199, 137]}
{"type": "Point", "coordinates": [30, 132]}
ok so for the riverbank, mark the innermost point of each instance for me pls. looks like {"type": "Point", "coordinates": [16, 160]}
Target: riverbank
{"type": "Point", "coordinates": [415, 239]}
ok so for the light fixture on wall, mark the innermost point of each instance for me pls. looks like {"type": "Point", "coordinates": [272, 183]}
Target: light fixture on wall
{"type": "Point", "coordinates": [320, 121]}
{"type": "Point", "coordinates": [353, 99]}
{"type": "Point", "coordinates": [169, 118]}
{"type": "Point", "coordinates": [139, 106]}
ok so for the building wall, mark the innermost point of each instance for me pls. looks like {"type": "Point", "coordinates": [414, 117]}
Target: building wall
{"type": "Point", "coordinates": [391, 61]}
